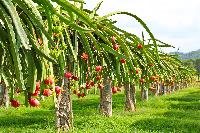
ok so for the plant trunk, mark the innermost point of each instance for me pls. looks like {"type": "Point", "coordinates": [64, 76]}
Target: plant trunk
{"type": "Point", "coordinates": [4, 99]}
{"type": "Point", "coordinates": [64, 114]}
{"type": "Point", "coordinates": [167, 89]}
{"type": "Point", "coordinates": [187, 85]}
{"type": "Point", "coordinates": [172, 88]}
{"type": "Point", "coordinates": [179, 85]}
{"type": "Point", "coordinates": [162, 89]}
{"type": "Point", "coordinates": [182, 85]}
{"type": "Point", "coordinates": [176, 86]}
{"type": "Point", "coordinates": [144, 93]}
{"type": "Point", "coordinates": [157, 89]}
{"type": "Point", "coordinates": [106, 98]}
{"type": "Point", "coordinates": [130, 97]}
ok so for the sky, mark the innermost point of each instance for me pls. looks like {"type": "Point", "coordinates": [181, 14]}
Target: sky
{"type": "Point", "coordinates": [176, 22]}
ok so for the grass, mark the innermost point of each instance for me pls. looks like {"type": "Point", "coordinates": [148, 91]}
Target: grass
{"type": "Point", "coordinates": [179, 112]}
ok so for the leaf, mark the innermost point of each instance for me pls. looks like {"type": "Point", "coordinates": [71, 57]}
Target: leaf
{"type": "Point", "coordinates": [13, 48]}
{"type": "Point", "coordinates": [2, 54]}
{"type": "Point", "coordinates": [112, 51]}
{"type": "Point", "coordinates": [86, 45]}
{"type": "Point", "coordinates": [32, 72]}
{"type": "Point", "coordinates": [95, 10]}
{"type": "Point", "coordinates": [80, 1]}
{"type": "Point", "coordinates": [64, 18]}
{"type": "Point", "coordinates": [139, 20]}
{"type": "Point", "coordinates": [17, 23]}
{"type": "Point", "coordinates": [34, 16]}
{"type": "Point", "coordinates": [69, 42]}
{"type": "Point", "coordinates": [80, 14]}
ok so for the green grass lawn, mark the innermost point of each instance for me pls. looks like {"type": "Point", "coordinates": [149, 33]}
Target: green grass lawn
{"type": "Point", "coordinates": [179, 112]}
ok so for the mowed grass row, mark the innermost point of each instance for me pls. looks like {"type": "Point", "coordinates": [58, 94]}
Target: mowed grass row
{"type": "Point", "coordinates": [179, 112]}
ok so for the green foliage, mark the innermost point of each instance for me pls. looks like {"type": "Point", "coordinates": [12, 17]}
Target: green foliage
{"type": "Point", "coordinates": [193, 64]}
{"type": "Point", "coordinates": [68, 31]}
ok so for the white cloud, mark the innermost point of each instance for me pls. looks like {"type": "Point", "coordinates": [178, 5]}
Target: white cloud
{"type": "Point", "coordinates": [174, 21]}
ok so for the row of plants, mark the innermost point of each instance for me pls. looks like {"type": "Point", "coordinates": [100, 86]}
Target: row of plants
{"type": "Point", "coordinates": [58, 48]}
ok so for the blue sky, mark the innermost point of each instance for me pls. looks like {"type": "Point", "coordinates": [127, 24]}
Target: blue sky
{"type": "Point", "coordinates": [176, 22]}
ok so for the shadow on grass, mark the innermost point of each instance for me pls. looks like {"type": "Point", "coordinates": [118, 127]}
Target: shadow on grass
{"type": "Point", "coordinates": [186, 106]}
{"type": "Point", "coordinates": [35, 119]}
{"type": "Point", "coordinates": [93, 104]}
{"type": "Point", "coordinates": [183, 116]}
{"type": "Point", "coordinates": [191, 97]}
{"type": "Point", "coordinates": [81, 104]}
{"type": "Point", "coordinates": [191, 101]}
{"type": "Point", "coordinates": [166, 125]}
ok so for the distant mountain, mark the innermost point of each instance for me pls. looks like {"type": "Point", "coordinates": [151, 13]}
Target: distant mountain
{"type": "Point", "coordinates": [187, 56]}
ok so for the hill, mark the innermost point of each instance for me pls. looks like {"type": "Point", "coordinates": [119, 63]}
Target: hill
{"type": "Point", "coordinates": [189, 55]}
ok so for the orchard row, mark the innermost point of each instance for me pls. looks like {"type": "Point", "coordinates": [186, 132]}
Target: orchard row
{"type": "Point", "coordinates": [63, 49]}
